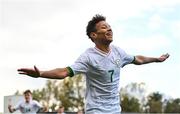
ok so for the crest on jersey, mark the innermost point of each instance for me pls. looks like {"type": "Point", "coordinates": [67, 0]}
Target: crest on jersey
{"type": "Point", "coordinates": [118, 63]}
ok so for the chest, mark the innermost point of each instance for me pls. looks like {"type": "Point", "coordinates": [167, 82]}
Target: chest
{"type": "Point", "coordinates": [26, 108]}
{"type": "Point", "coordinates": [105, 69]}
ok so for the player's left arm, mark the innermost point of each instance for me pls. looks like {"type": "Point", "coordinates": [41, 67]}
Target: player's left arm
{"type": "Point", "coordinates": [139, 59]}
{"type": "Point", "coordinates": [42, 109]}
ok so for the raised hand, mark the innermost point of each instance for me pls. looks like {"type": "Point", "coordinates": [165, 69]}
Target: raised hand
{"type": "Point", "coordinates": [163, 57]}
{"type": "Point", "coordinates": [9, 106]}
{"type": "Point", "coordinates": [33, 72]}
{"type": "Point", "coordinates": [11, 110]}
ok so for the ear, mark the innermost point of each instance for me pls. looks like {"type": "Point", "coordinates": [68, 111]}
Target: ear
{"type": "Point", "coordinates": [93, 35]}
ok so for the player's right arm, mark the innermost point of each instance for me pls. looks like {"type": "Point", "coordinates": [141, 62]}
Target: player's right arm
{"type": "Point", "coordinates": [11, 110]}
{"type": "Point", "coordinates": [58, 73]}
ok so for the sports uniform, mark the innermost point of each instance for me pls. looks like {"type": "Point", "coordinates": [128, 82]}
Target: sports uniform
{"type": "Point", "coordinates": [28, 108]}
{"type": "Point", "coordinates": [102, 72]}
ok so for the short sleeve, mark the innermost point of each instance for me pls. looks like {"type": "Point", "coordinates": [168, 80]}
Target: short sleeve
{"type": "Point", "coordinates": [37, 104]}
{"type": "Point", "coordinates": [80, 65]}
{"type": "Point", "coordinates": [125, 58]}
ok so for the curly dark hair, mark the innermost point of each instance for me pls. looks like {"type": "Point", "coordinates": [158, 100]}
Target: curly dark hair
{"type": "Point", "coordinates": [91, 27]}
{"type": "Point", "coordinates": [27, 91]}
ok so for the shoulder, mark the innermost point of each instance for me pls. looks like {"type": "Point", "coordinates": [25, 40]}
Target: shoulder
{"type": "Point", "coordinates": [87, 56]}
{"type": "Point", "coordinates": [35, 102]}
{"type": "Point", "coordinates": [22, 102]}
{"type": "Point", "coordinates": [88, 52]}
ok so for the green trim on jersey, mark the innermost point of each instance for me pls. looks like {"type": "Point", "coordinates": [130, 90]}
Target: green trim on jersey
{"type": "Point", "coordinates": [133, 59]}
{"type": "Point", "coordinates": [70, 71]}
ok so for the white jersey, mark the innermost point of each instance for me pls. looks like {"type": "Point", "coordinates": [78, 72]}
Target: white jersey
{"type": "Point", "coordinates": [28, 108]}
{"type": "Point", "coordinates": [102, 78]}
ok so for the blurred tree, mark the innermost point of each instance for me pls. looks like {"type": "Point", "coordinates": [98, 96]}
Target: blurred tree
{"type": "Point", "coordinates": [17, 93]}
{"type": "Point", "coordinates": [72, 93]}
{"type": "Point", "coordinates": [130, 104]}
{"type": "Point", "coordinates": [46, 94]}
{"type": "Point", "coordinates": [173, 106]}
{"type": "Point", "coordinates": [155, 103]}
{"type": "Point", "coordinates": [135, 91]}
{"type": "Point", "coordinates": [68, 92]}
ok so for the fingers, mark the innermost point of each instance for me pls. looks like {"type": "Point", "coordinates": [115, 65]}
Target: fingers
{"type": "Point", "coordinates": [163, 57]}
{"type": "Point", "coordinates": [29, 71]}
{"type": "Point", "coordinates": [23, 71]}
{"type": "Point", "coordinates": [37, 70]}
{"type": "Point", "coordinates": [167, 55]}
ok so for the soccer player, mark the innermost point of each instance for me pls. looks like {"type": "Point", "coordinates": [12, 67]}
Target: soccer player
{"type": "Point", "coordinates": [27, 106]}
{"type": "Point", "coordinates": [101, 65]}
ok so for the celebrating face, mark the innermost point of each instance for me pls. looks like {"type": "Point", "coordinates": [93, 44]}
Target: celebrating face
{"type": "Point", "coordinates": [27, 97]}
{"type": "Point", "coordinates": [103, 33]}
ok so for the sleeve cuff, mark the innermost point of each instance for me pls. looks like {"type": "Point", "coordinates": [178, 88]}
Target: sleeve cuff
{"type": "Point", "coordinates": [70, 71]}
{"type": "Point", "coordinates": [134, 58]}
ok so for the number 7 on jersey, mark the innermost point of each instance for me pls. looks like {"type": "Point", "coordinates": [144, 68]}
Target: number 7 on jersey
{"type": "Point", "coordinates": [111, 74]}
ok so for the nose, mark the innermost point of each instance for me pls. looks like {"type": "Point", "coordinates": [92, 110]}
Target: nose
{"type": "Point", "coordinates": [109, 29]}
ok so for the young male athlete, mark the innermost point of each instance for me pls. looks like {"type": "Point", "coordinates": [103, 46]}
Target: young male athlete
{"type": "Point", "coordinates": [101, 65]}
{"type": "Point", "coordinates": [27, 106]}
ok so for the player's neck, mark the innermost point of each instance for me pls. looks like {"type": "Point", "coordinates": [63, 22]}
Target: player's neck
{"type": "Point", "coordinates": [103, 48]}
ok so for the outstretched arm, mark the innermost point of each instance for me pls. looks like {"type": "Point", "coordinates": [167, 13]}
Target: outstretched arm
{"type": "Point", "coordinates": [139, 60]}
{"type": "Point", "coordinates": [58, 73]}
{"type": "Point", "coordinates": [43, 109]}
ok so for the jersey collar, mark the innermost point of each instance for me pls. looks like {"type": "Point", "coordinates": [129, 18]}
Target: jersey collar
{"type": "Point", "coordinates": [102, 52]}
